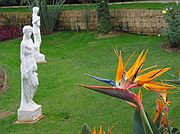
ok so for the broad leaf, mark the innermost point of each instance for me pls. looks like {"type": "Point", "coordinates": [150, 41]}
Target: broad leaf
{"type": "Point", "coordinates": [168, 125]}
{"type": "Point", "coordinates": [158, 121]}
{"type": "Point", "coordinates": [142, 124]}
{"type": "Point", "coordinates": [137, 123]}
{"type": "Point", "coordinates": [175, 131]}
{"type": "Point", "coordinates": [161, 129]}
{"type": "Point", "coordinates": [153, 126]}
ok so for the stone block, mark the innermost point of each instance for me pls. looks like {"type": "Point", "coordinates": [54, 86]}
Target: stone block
{"type": "Point", "coordinates": [25, 116]}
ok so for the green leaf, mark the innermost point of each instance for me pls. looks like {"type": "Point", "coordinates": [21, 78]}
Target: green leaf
{"type": "Point", "coordinates": [161, 129]}
{"type": "Point", "coordinates": [158, 121]}
{"type": "Point", "coordinates": [137, 123]}
{"type": "Point", "coordinates": [153, 126]}
{"type": "Point", "coordinates": [175, 131]}
{"type": "Point", "coordinates": [86, 129]}
{"type": "Point", "coordinates": [146, 123]}
{"type": "Point", "coordinates": [168, 125]}
{"type": "Point", "coordinates": [142, 124]}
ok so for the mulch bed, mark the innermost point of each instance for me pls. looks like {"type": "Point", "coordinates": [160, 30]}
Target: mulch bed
{"type": "Point", "coordinates": [111, 34]}
{"type": "Point", "coordinates": [167, 47]}
{"type": "Point", "coordinates": [3, 80]}
{"type": "Point", "coordinates": [3, 87]}
{"type": "Point", "coordinates": [4, 114]}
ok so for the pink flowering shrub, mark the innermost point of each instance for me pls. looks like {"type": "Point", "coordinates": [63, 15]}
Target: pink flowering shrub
{"type": "Point", "coordinates": [9, 32]}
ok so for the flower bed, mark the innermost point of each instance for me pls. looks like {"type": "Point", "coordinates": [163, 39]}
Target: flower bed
{"type": "Point", "coordinates": [9, 32]}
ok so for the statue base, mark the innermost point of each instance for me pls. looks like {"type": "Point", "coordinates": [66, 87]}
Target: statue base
{"type": "Point", "coordinates": [40, 58]}
{"type": "Point", "coordinates": [29, 116]}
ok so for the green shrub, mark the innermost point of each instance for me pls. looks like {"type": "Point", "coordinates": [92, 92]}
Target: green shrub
{"type": "Point", "coordinates": [172, 31]}
{"type": "Point", "coordinates": [103, 17]}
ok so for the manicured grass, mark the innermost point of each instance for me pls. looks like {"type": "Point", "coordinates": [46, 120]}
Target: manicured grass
{"type": "Point", "coordinates": [67, 106]}
{"type": "Point", "coordinates": [21, 9]}
{"type": "Point", "coordinates": [156, 6]}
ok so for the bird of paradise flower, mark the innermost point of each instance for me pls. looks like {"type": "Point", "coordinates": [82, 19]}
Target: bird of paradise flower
{"type": "Point", "coordinates": [125, 80]}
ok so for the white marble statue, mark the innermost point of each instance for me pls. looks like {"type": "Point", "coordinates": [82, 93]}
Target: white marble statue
{"type": "Point", "coordinates": [29, 110]}
{"type": "Point", "coordinates": [37, 35]}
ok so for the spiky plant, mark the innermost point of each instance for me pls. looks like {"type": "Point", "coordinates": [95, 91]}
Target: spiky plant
{"type": "Point", "coordinates": [48, 13]}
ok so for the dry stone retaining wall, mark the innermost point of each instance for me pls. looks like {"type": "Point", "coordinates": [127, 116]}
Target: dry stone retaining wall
{"type": "Point", "coordinates": [15, 18]}
{"type": "Point", "coordinates": [138, 21]}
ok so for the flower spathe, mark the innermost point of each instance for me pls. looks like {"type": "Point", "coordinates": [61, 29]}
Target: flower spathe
{"type": "Point", "coordinates": [125, 80]}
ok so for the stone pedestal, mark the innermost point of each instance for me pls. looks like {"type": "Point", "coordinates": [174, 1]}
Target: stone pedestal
{"type": "Point", "coordinates": [29, 116]}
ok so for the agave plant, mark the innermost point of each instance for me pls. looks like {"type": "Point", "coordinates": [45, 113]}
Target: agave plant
{"type": "Point", "coordinates": [125, 80]}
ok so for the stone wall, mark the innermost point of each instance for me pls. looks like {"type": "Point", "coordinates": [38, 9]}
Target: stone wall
{"type": "Point", "coordinates": [15, 18]}
{"type": "Point", "coordinates": [140, 21]}
{"type": "Point", "coordinates": [130, 20]}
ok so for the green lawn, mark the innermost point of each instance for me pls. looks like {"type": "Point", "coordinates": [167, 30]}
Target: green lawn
{"type": "Point", "coordinates": [67, 106]}
{"type": "Point", "coordinates": [156, 6]}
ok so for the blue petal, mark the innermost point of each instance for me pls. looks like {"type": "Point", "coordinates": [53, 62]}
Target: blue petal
{"type": "Point", "coordinates": [174, 76]}
{"type": "Point", "coordinates": [110, 82]}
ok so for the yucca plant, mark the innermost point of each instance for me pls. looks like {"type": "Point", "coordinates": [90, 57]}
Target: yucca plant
{"type": "Point", "coordinates": [48, 13]}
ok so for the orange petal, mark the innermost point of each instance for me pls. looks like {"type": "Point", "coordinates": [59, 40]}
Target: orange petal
{"type": "Point", "coordinates": [147, 77]}
{"type": "Point", "coordinates": [120, 69]}
{"type": "Point", "coordinates": [101, 130]}
{"type": "Point", "coordinates": [116, 53]}
{"type": "Point", "coordinates": [128, 60]}
{"type": "Point", "coordinates": [160, 105]}
{"type": "Point", "coordinates": [134, 70]}
{"type": "Point", "coordinates": [147, 68]}
{"type": "Point", "coordinates": [94, 131]}
{"type": "Point", "coordinates": [163, 120]}
{"type": "Point", "coordinates": [155, 118]}
{"type": "Point", "coordinates": [158, 87]}
{"type": "Point", "coordinates": [143, 58]}
{"type": "Point", "coordinates": [140, 94]}
{"type": "Point", "coordinates": [130, 71]}
{"type": "Point", "coordinates": [159, 109]}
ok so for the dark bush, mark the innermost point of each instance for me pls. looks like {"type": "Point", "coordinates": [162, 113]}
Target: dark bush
{"type": "Point", "coordinates": [10, 2]}
{"type": "Point", "coordinates": [103, 17]}
{"type": "Point", "coordinates": [9, 32]}
{"type": "Point", "coordinates": [172, 31]}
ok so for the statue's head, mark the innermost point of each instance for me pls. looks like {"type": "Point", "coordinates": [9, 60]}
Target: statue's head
{"type": "Point", "coordinates": [35, 10]}
{"type": "Point", "coordinates": [27, 30]}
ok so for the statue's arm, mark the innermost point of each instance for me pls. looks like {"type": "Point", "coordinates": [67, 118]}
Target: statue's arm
{"type": "Point", "coordinates": [23, 62]}
{"type": "Point", "coordinates": [35, 19]}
